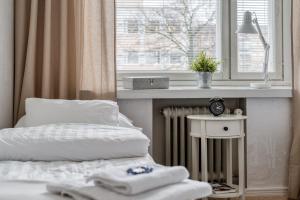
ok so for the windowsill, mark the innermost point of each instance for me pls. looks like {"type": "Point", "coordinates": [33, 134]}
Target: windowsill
{"type": "Point", "coordinates": [194, 92]}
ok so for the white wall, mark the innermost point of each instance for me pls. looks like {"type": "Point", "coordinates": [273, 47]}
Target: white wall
{"type": "Point", "coordinates": [140, 111]}
{"type": "Point", "coordinates": [268, 143]}
{"type": "Point", "coordinates": [6, 62]}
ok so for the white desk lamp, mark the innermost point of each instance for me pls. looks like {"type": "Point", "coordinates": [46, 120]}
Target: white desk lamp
{"type": "Point", "coordinates": [248, 28]}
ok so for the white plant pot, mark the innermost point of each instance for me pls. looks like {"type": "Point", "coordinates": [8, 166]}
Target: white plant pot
{"type": "Point", "coordinates": [204, 79]}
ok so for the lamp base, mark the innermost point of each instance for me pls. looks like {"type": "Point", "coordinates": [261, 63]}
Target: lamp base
{"type": "Point", "coordinates": [261, 85]}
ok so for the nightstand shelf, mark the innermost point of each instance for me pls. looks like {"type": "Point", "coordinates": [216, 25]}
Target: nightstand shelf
{"type": "Point", "coordinates": [224, 127]}
{"type": "Point", "coordinates": [228, 195]}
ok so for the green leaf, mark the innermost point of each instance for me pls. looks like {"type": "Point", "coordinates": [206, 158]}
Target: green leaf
{"type": "Point", "coordinates": [204, 63]}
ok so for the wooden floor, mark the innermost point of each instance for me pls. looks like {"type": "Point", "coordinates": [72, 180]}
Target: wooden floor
{"type": "Point", "coordinates": [267, 198]}
{"type": "Point", "coordinates": [263, 198]}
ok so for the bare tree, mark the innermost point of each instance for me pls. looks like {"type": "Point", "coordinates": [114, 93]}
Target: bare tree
{"type": "Point", "coordinates": [178, 23]}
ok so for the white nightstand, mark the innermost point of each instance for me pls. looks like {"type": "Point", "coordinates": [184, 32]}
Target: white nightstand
{"type": "Point", "coordinates": [227, 127]}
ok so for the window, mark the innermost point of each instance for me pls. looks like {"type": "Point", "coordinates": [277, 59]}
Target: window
{"type": "Point", "coordinates": [173, 26]}
{"type": "Point", "coordinates": [132, 26]}
{"type": "Point", "coordinates": [187, 26]}
{"type": "Point", "coordinates": [133, 57]}
{"type": "Point", "coordinates": [151, 26]}
{"type": "Point", "coordinates": [166, 35]}
{"type": "Point", "coordinates": [249, 51]}
{"type": "Point", "coordinates": [152, 57]}
{"type": "Point", "coordinates": [175, 58]}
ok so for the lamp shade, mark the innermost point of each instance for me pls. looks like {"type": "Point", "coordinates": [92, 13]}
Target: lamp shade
{"type": "Point", "coordinates": [247, 26]}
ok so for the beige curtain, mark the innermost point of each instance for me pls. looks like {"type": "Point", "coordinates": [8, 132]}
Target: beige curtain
{"type": "Point", "coordinates": [294, 167]}
{"type": "Point", "coordinates": [63, 49]}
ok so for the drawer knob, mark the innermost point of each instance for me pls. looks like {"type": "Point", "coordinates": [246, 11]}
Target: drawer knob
{"type": "Point", "coordinates": [225, 128]}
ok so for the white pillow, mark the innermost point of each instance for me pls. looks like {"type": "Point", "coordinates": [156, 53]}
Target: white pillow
{"type": "Point", "coordinates": [21, 122]}
{"type": "Point", "coordinates": [123, 122]}
{"type": "Point", "coordinates": [50, 111]}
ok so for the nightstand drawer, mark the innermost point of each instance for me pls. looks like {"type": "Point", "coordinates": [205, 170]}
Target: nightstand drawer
{"type": "Point", "coordinates": [223, 128]}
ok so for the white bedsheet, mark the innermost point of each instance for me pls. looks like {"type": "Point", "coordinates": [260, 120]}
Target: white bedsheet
{"type": "Point", "coordinates": [27, 180]}
{"type": "Point", "coordinates": [58, 171]}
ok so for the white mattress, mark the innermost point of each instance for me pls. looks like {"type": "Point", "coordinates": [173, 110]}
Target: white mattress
{"type": "Point", "coordinates": [71, 142]}
{"type": "Point", "coordinates": [27, 180]}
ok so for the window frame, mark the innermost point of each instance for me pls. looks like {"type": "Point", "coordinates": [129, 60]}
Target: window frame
{"type": "Point", "coordinates": [227, 39]}
{"type": "Point", "coordinates": [276, 45]}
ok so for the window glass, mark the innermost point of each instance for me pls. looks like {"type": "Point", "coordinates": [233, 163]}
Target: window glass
{"type": "Point", "coordinates": [157, 28]}
{"type": "Point", "coordinates": [250, 49]}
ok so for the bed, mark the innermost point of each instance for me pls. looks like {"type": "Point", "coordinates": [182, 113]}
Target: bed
{"type": "Point", "coordinates": [61, 141]}
{"type": "Point", "coordinates": [27, 180]}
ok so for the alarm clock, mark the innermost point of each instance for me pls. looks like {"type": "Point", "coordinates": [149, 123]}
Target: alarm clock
{"type": "Point", "coordinates": [216, 106]}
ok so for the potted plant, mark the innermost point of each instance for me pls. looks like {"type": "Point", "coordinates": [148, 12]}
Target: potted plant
{"type": "Point", "coordinates": [205, 66]}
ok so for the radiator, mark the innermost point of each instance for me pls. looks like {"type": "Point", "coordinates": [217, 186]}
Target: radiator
{"type": "Point", "coordinates": [178, 142]}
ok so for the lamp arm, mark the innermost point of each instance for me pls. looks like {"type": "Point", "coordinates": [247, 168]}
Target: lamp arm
{"type": "Point", "coordinates": [266, 47]}
{"type": "Point", "coordinates": [261, 36]}
{"type": "Point", "coordinates": [266, 74]}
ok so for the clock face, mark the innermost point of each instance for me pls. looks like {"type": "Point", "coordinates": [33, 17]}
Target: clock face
{"type": "Point", "coordinates": [217, 108]}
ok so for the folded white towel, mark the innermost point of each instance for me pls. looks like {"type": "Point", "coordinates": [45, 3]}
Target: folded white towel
{"type": "Point", "coordinates": [186, 190]}
{"type": "Point", "coordinates": [117, 179]}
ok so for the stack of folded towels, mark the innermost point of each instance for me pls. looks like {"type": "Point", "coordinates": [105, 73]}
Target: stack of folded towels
{"type": "Point", "coordinates": [123, 183]}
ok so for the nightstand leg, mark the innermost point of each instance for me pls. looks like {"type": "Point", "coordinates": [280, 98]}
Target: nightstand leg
{"type": "Point", "coordinates": [241, 168]}
{"type": "Point", "coordinates": [204, 159]}
{"type": "Point", "coordinates": [229, 161]}
{"type": "Point", "coordinates": [195, 158]}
